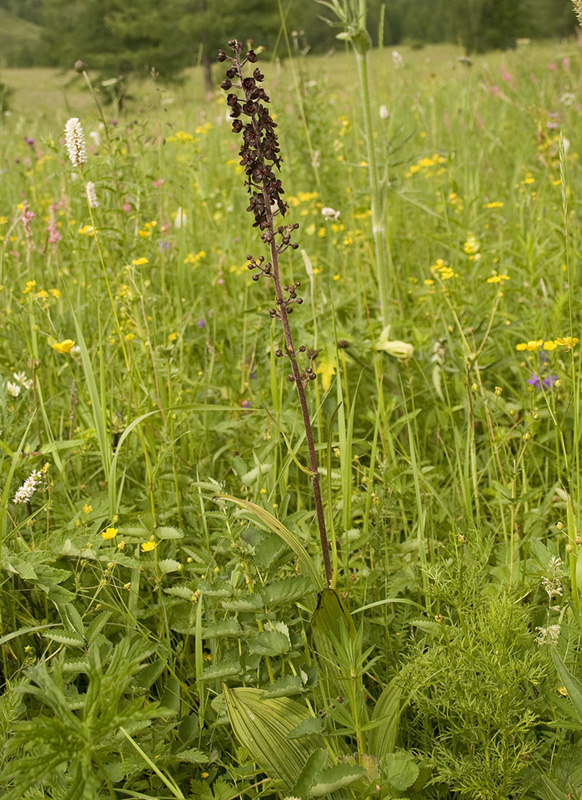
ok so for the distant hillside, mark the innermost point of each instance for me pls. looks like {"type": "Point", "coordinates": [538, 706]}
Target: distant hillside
{"type": "Point", "coordinates": [18, 40]}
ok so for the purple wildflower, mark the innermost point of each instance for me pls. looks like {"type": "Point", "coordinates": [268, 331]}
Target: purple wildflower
{"type": "Point", "coordinates": [537, 382]}
{"type": "Point", "coordinates": [201, 323]}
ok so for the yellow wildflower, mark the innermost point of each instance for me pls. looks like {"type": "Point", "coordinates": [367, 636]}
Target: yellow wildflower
{"type": "Point", "coordinates": [64, 346]}
{"type": "Point", "coordinates": [147, 547]}
{"type": "Point", "coordinates": [139, 262]}
{"type": "Point", "coordinates": [497, 278]}
{"type": "Point", "coordinates": [29, 287]}
{"type": "Point", "coordinates": [87, 230]}
{"type": "Point", "coordinates": [87, 508]}
{"type": "Point", "coordinates": [109, 533]}
{"type": "Point", "coordinates": [194, 258]}
{"type": "Point", "coordinates": [55, 293]}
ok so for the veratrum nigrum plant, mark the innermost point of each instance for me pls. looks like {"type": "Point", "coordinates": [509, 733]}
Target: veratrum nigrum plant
{"type": "Point", "coordinates": [260, 156]}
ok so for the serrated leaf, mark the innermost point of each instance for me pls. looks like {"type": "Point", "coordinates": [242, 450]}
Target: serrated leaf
{"type": "Point", "coordinates": [21, 568]}
{"type": "Point", "coordinates": [288, 589]}
{"type": "Point", "coordinates": [306, 727]}
{"type": "Point", "coordinates": [314, 764]}
{"type": "Point", "coordinates": [426, 625]}
{"type": "Point", "coordinates": [169, 565]}
{"type": "Point", "coordinates": [269, 643]}
{"type": "Point", "coordinates": [228, 627]}
{"type": "Point", "coordinates": [334, 778]}
{"type": "Point", "coordinates": [69, 638]}
{"type": "Point", "coordinates": [251, 476]}
{"type": "Point", "coordinates": [250, 603]}
{"type": "Point", "coordinates": [183, 592]}
{"type": "Point", "coordinates": [193, 756]}
{"type": "Point", "coordinates": [283, 687]}
{"type": "Point", "coordinates": [215, 589]}
{"type": "Point", "coordinates": [399, 770]}
{"type": "Point", "coordinates": [221, 670]}
{"type": "Point", "coordinates": [97, 626]}
{"type": "Point", "coordinates": [165, 532]}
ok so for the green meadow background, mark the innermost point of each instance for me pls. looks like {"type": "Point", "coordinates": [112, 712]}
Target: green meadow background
{"type": "Point", "coordinates": [157, 587]}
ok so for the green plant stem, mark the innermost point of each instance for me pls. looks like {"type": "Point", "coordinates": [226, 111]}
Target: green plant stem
{"type": "Point", "coordinates": [298, 380]}
{"type": "Point", "coordinates": [378, 221]}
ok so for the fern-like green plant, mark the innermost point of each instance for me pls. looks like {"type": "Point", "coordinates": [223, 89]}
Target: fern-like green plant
{"type": "Point", "coordinates": [77, 735]}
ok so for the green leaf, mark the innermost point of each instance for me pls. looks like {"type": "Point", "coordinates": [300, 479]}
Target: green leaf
{"type": "Point", "coordinates": [315, 763]}
{"type": "Point", "coordinates": [308, 726]}
{"type": "Point", "coordinates": [169, 565]}
{"type": "Point", "coordinates": [334, 778]}
{"type": "Point", "coordinates": [193, 756]}
{"type": "Point", "coordinates": [169, 533]}
{"type": "Point", "coordinates": [283, 687]}
{"type": "Point", "coordinates": [69, 638]}
{"type": "Point", "coordinates": [269, 643]}
{"type": "Point", "coordinates": [221, 670]}
{"type": "Point", "coordinates": [288, 589]}
{"type": "Point", "coordinates": [228, 627]}
{"type": "Point", "coordinates": [399, 770]}
{"type": "Point", "coordinates": [290, 539]}
{"type": "Point", "coordinates": [262, 726]}
{"type": "Point", "coordinates": [331, 615]}
{"type": "Point", "coordinates": [382, 737]}
{"type": "Point", "coordinates": [251, 602]}
{"type": "Point", "coordinates": [572, 684]}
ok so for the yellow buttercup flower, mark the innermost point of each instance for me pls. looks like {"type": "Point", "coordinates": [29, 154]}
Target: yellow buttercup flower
{"type": "Point", "coordinates": [139, 262]}
{"type": "Point", "coordinates": [147, 547]}
{"type": "Point", "coordinates": [64, 346]}
{"type": "Point", "coordinates": [109, 533]}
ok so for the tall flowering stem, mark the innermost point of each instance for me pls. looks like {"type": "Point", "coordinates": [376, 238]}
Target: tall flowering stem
{"type": "Point", "coordinates": [259, 156]}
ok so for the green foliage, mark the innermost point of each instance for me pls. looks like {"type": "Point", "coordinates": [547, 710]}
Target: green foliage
{"type": "Point", "coordinates": [426, 674]}
{"type": "Point", "coordinates": [473, 683]}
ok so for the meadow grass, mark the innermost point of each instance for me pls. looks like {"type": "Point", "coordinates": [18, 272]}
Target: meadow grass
{"type": "Point", "coordinates": [160, 576]}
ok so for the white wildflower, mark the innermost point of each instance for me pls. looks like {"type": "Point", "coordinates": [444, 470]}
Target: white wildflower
{"type": "Point", "coordinates": [91, 195]}
{"type": "Point", "coordinates": [548, 635]}
{"type": "Point", "coordinates": [95, 138]}
{"type": "Point", "coordinates": [28, 488]}
{"type": "Point", "coordinates": [13, 389]}
{"type": "Point", "coordinates": [397, 59]}
{"type": "Point", "coordinates": [383, 112]}
{"type": "Point", "coordinates": [75, 141]}
{"type": "Point", "coordinates": [330, 213]}
{"type": "Point", "coordinates": [20, 377]}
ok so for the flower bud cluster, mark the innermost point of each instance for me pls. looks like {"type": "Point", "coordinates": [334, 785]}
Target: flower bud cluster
{"type": "Point", "coordinates": [260, 149]}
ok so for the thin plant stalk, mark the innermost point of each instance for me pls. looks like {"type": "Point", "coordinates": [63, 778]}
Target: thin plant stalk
{"type": "Point", "coordinates": [260, 146]}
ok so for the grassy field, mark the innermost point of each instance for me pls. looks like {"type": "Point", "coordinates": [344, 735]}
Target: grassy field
{"type": "Point", "coordinates": [160, 562]}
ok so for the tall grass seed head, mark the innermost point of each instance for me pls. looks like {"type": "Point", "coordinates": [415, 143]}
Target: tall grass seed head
{"type": "Point", "coordinates": [75, 141]}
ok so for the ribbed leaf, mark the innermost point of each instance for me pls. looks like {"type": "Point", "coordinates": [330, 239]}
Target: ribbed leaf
{"type": "Point", "coordinates": [386, 714]}
{"type": "Point", "coordinates": [263, 726]}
